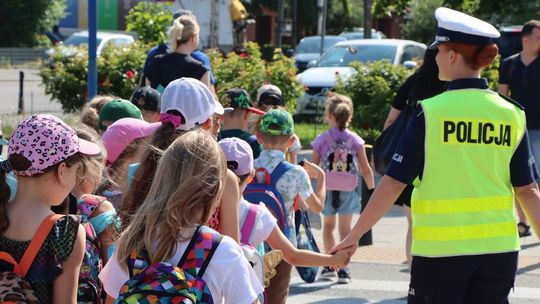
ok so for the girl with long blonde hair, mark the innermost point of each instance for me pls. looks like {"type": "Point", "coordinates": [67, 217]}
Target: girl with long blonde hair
{"type": "Point", "coordinates": [187, 187]}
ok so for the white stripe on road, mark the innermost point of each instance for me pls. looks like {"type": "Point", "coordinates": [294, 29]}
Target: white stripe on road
{"type": "Point", "coordinates": [402, 287]}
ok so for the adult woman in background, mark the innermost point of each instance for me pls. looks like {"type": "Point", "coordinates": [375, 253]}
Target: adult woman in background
{"type": "Point", "coordinates": [178, 63]}
{"type": "Point", "coordinates": [423, 84]}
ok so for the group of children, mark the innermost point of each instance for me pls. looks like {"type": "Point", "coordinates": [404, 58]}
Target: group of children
{"type": "Point", "coordinates": [144, 199]}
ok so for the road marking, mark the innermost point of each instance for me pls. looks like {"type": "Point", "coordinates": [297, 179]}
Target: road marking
{"type": "Point", "coordinates": [393, 286]}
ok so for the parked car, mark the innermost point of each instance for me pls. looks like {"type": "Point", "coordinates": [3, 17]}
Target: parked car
{"type": "Point", "coordinates": [335, 62]}
{"type": "Point", "coordinates": [103, 39]}
{"type": "Point", "coordinates": [359, 34]}
{"type": "Point", "coordinates": [510, 41]}
{"type": "Point", "coordinates": [309, 48]}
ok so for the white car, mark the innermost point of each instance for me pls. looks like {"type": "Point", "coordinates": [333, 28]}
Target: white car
{"type": "Point", "coordinates": [103, 39]}
{"type": "Point", "coordinates": [322, 75]}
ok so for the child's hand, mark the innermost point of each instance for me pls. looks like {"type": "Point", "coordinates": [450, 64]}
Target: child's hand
{"type": "Point", "coordinates": [313, 170]}
{"type": "Point", "coordinates": [341, 258]}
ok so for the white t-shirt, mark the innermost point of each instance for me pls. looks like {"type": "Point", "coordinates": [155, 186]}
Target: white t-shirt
{"type": "Point", "coordinates": [265, 222]}
{"type": "Point", "coordinates": [229, 276]}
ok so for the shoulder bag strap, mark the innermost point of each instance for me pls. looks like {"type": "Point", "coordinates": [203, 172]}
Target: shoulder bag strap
{"type": "Point", "coordinates": [278, 172]}
{"type": "Point", "coordinates": [249, 223]}
{"type": "Point", "coordinates": [37, 241]}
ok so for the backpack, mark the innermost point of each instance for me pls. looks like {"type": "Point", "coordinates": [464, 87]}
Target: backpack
{"type": "Point", "coordinates": [90, 288]}
{"type": "Point", "coordinates": [251, 253]}
{"type": "Point", "coordinates": [263, 189]}
{"type": "Point", "coordinates": [165, 283]}
{"type": "Point", "coordinates": [15, 288]}
{"type": "Point", "coordinates": [340, 164]}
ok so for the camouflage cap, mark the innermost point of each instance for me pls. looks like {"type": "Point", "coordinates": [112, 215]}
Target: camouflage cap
{"type": "Point", "coordinates": [237, 98]}
{"type": "Point", "coordinates": [277, 122]}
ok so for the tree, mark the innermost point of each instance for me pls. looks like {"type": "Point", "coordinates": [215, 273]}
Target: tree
{"type": "Point", "coordinates": [498, 12]}
{"type": "Point", "coordinates": [150, 21]}
{"type": "Point", "coordinates": [24, 23]}
{"type": "Point", "coordinates": [390, 7]}
{"type": "Point", "coordinates": [422, 24]}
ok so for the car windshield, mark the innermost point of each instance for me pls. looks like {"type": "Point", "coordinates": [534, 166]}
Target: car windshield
{"type": "Point", "coordinates": [343, 55]}
{"type": "Point", "coordinates": [313, 45]}
{"type": "Point", "coordinates": [77, 40]}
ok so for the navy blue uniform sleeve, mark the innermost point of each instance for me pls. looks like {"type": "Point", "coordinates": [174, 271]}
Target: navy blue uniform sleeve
{"type": "Point", "coordinates": [408, 161]}
{"type": "Point", "coordinates": [523, 169]}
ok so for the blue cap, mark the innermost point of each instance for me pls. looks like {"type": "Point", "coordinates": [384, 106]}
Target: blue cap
{"type": "Point", "coordinates": [454, 26]}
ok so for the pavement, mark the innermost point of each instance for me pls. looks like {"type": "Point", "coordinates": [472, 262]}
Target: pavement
{"type": "Point", "coordinates": [380, 273]}
{"type": "Point", "coordinates": [35, 99]}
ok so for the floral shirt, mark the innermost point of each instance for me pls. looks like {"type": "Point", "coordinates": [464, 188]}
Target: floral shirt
{"type": "Point", "coordinates": [294, 182]}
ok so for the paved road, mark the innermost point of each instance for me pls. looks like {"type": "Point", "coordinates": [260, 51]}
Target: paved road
{"type": "Point", "coordinates": [35, 99]}
{"type": "Point", "coordinates": [380, 274]}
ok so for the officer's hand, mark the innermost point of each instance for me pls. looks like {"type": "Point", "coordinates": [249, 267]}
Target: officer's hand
{"type": "Point", "coordinates": [349, 244]}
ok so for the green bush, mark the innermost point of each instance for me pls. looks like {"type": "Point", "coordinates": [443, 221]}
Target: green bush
{"type": "Point", "coordinates": [372, 89]}
{"type": "Point", "coordinates": [250, 72]}
{"type": "Point", "coordinates": [150, 21]}
{"type": "Point", "coordinates": [491, 73]}
{"type": "Point", "coordinates": [65, 76]}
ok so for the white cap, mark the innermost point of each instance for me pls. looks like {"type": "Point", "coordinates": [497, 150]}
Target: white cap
{"type": "Point", "coordinates": [192, 99]}
{"type": "Point", "coordinates": [267, 87]}
{"type": "Point", "coordinates": [454, 26]}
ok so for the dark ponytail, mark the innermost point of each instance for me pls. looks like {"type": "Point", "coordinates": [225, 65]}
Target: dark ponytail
{"type": "Point", "coordinates": [17, 162]}
{"type": "Point", "coordinates": [164, 136]}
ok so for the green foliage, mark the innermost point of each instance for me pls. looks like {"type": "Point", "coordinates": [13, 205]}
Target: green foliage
{"type": "Point", "coordinates": [421, 27]}
{"type": "Point", "coordinates": [372, 89]}
{"type": "Point", "coordinates": [497, 12]}
{"type": "Point", "coordinates": [250, 72]}
{"type": "Point", "coordinates": [150, 20]}
{"type": "Point", "coordinates": [390, 7]}
{"type": "Point", "coordinates": [491, 73]}
{"type": "Point", "coordinates": [24, 23]}
{"type": "Point", "coordinates": [65, 77]}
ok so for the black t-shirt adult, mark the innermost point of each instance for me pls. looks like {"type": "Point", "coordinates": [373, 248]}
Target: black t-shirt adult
{"type": "Point", "coordinates": [168, 67]}
{"type": "Point", "coordinates": [524, 84]}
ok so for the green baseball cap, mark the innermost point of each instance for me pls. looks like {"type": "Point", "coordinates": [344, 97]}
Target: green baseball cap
{"type": "Point", "coordinates": [277, 122]}
{"type": "Point", "coordinates": [117, 109]}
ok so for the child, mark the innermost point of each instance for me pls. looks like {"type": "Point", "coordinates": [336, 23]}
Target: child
{"type": "Point", "coordinates": [90, 112]}
{"type": "Point", "coordinates": [240, 160]}
{"type": "Point", "coordinates": [122, 140]}
{"type": "Point", "coordinates": [179, 114]}
{"type": "Point", "coordinates": [275, 133]}
{"type": "Point", "coordinates": [45, 154]}
{"type": "Point", "coordinates": [114, 110]}
{"type": "Point", "coordinates": [235, 122]}
{"type": "Point", "coordinates": [270, 97]}
{"type": "Point", "coordinates": [148, 101]}
{"type": "Point", "coordinates": [339, 112]}
{"type": "Point", "coordinates": [187, 187]}
{"type": "Point", "coordinates": [103, 217]}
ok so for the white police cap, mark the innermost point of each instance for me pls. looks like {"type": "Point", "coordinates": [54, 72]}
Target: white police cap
{"type": "Point", "coordinates": [454, 26]}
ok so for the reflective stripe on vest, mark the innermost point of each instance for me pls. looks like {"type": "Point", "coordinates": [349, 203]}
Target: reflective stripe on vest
{"type": "Point", "coordinates": [464, 203]}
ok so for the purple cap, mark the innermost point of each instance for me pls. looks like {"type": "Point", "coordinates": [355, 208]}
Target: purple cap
{"type": "Point", "coordinates": [45, 140]}
{"type": "Point", "coordinates": [122, 132]}
{"type": "Point", "coordinates": [239, 155]}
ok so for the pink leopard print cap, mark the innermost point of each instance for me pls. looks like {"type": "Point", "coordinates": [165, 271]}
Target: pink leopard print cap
{"type": "Point", "coordinates": [45, 140]}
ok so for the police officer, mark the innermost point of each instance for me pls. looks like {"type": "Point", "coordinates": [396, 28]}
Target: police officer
{"type": "Point", "coordinates": [470, 151]}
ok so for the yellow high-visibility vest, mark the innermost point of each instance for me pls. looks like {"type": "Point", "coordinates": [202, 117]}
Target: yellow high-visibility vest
{"type": "Point", "coordinates": [464, 203]}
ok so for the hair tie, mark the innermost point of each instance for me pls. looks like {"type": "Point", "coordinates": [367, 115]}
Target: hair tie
{"type": "Point", "coordinates": [175, 120]}
{"type": "Point", "coordinates": [5, 166]}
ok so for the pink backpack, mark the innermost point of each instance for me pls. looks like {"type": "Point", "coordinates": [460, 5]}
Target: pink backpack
{"type": "Point", "coordinates": [340, 165]}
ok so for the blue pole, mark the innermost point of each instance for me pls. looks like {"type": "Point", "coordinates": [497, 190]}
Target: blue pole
{"type": "Point", "coordinates": [92, 30]}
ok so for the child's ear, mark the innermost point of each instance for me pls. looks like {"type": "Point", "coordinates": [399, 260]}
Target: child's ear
{"type": "Point", "coordinates": [207, 124]}
{"type": "Point", "coordinates": [290, 142]}
{"type": "Point", "coordinates": [250, 177]}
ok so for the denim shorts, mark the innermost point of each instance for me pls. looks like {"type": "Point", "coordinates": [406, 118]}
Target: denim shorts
{"type": "Point", "coordinates": [349, 203]}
